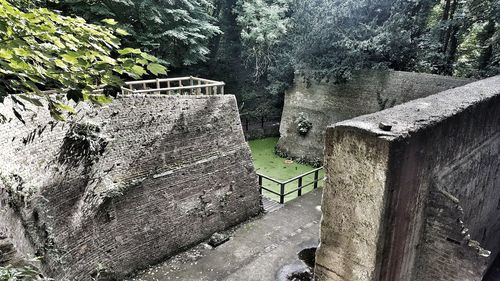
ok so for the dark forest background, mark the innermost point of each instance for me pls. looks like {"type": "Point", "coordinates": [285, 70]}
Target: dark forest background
{"type": "Point", "coordinates": [255, 46]}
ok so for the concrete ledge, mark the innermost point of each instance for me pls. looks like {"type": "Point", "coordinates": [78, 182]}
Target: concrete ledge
{"type": "Point", "coordinates": [418, 201]}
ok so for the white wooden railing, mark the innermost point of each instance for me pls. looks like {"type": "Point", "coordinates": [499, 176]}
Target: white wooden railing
{"type": "Point", "coordinates": [175, 86]}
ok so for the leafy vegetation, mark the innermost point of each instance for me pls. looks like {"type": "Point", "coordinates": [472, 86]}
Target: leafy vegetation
{"type": "Point", "coordinates": [41, 50]}
{"type": "Point", "coordinates": [253, 45]}
{"type": "Point", "coordinates": [332, 38]}
{"type": "Point", "coordinates": [264, 26]}
{"type": "Point", "coordinates": [21, 273]}
{"type": "Point", "coordinates": [177, 32]}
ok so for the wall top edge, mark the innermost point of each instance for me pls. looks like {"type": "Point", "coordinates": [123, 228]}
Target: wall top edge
{"type": "Point", "coordinates": [403, 120]}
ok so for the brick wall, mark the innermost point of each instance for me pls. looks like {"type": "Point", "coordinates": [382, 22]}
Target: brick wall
{"type": "Point", "coordinates": [440, 216]}
{"type": "Point", "coordinates": [158, 174]}
{"type": "Point", "coordinates": [324, 103]}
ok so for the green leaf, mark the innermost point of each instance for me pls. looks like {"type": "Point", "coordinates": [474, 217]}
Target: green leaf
{"type": "Point", "coordinates": [64, 107]}
{"type": "Point", "coordinates": [127, 51]}
{"type": "Point", "coordinates": [21, 52]}
{"type": "Point", "coordinates": [74, 95]}
{"type": "Point", "coordinates": [57, 116]}
{"type": "Point", "coordinates": [19, 65]}
{"type": "Point", "coordinates": [122, 32]}
{"type": "Point", "coordinates": [142, 61]}
{"type": "Point", "coordinates": [100, 99]}
{"type": "Point", "coordinates": [5, 54]}
{"type": "Point", "coordinates": [109, 21]}
{"type": "Point", "coordinates": [107, 59]}
{"type": "Point", "coordinates": [70, 58]}
{"type": "Point", "coordinates": [157, 69]}
{"type": "Point", "coordinates": [149, 57]}
{"type": "Point", "coordinates": [60, 64]}
{"type": "Point", "coordinates": [138, 70]}
{"type": "Point", "coordinates": [34, 101]}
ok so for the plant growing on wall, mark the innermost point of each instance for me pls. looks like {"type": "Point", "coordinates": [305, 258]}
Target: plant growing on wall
{"type": "Point", "coordinates": [83, 142]}
{"type": "Point", "coordinates": [41, 50]}
{"type": "Point", "coordinates": [21, 273]}
{"type": "Point", "coordinates": [303, 125]}
{"type": "Point", "coordinates": [384, 103]}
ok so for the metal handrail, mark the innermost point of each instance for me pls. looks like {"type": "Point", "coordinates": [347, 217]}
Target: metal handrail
{"type": "Point", "coordinates": [303, 175]}
{"type": "Point", "coordinates": [282, 194]}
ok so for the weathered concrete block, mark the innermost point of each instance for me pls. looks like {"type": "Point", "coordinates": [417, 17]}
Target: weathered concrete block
{"type": "Point", "coordinates": [352, 231]}
{"type": "Point", "coordinates": [420, 201]}
{"type": "Point", "coordinates": [325, 103]}
{"type": "Point", "coordinates": [124, 185]}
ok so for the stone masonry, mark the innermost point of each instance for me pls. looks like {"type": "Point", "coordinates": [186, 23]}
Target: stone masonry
{"type": "Point", "coordinates": [324, 103]}
{"type": "Point", "coordinates": [125, 185]}
{"type": "Point", "coordinates": [419, 199]}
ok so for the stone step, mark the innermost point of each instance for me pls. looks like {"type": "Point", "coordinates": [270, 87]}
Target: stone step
{"type": "Point", "coordinates": [270, 205]}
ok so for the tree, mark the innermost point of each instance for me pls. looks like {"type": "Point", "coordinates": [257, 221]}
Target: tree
{"type": "Point", "coordinates": [41, 50]}
{"type": "Point", "coordinates": [335, 37]}
{"type": "Point", "coordinates": [332, 38]}
{"type": "Point", "coordinates": [440, 43]}
{"type": "Point", "coordinates": [264, 25]}
{"type": "Point", "coordinates": [479, 53]}
{"type": "Point", "coordinates": [176, 31]}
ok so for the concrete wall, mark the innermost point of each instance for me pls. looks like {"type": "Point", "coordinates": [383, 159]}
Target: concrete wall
{"type": "Point", "coordinates": [124, 185]}
{"type": "Point", "coordinates": [326, 103]}
{"type": "Point", "coordinates": [419, 201]}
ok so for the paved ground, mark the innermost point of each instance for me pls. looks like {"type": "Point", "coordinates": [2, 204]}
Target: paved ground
{"type": "Point", "coordinates": [257, 250]}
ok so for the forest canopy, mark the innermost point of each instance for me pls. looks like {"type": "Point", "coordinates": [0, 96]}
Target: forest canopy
{"type": "Point", "coordinates": [255, 46]}
{"type": "Point", "coordinates": [335, 37]}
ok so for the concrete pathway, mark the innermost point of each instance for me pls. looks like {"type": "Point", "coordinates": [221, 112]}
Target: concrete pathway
{"type": "Point", "coordinates": [256, 251]}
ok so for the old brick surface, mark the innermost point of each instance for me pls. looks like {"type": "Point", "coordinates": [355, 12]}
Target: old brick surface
{"type": "Point", "coordinates": [441, 192]}
{"type": "Point", "coordinates": [162, 173]}
{"type": "Point", "coordinates": [325, 103]}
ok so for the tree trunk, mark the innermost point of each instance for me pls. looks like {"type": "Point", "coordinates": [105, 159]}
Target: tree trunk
{"type": "Point", "coordinates": [446, 11]}
{"type": "Point", "coordinates": [452, 52]}
{"type": "Point", "coordinates": [449, 13]}
{"type": "Point", "coordinates": [485, 40]}
{"type": "Point", "coordinates": [450, 40]}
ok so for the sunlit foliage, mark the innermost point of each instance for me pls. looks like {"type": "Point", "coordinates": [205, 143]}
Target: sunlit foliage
{"type": "Point", "coordinates": [42, 50]}
{"type": "Point", "coordinates": [264, 25]}
{"type": "Point", "coordinates": [332, 38]}
{"type": "Point", "coordinates": [176, 31]}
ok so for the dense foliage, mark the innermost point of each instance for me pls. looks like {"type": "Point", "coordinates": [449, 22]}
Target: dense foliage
{"type": "Point", "coordinates": [333, 38]}
{"type": "Point", "coordinates": [176, 31]}
{"type": "Point", "coordinates": [41, 50]}
{"type": "Point", "coordinates": [257, 45]}
{"type": "Point", "coordinates": [264, 26]}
